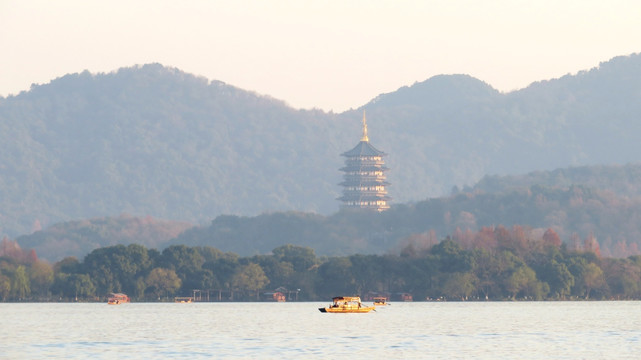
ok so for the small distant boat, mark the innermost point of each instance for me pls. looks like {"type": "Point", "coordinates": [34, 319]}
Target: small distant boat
{"type": "Point", "coordinates": [380, 301]}
{"type": "Point", "coordinates": [347, 304]}
{"type": "Point", "coordinates": [117, 299]}
{"type": "Point", "coordinates": [180, 299]}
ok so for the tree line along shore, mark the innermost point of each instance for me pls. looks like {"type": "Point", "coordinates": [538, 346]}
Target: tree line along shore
{"type": "Point", "coordinates": [494, 263]}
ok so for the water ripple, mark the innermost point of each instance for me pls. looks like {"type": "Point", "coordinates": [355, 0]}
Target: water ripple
{"type": "Point", "coordinates": [559, 330]}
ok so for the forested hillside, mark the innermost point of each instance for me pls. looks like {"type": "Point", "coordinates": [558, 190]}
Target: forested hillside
{"type": "Point", "coordinates": [576, 212]}
{"type": "Point", "coordinates": [565, 202]}
{"type": "Point", "coordinates": [152, 140]}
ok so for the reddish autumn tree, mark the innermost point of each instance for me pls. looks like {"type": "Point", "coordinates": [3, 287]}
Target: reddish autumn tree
{"type": "Point", "coordinates": [32, 257]}
{"type": "Point", "coordinates": [503, 238]}
{"type": "Point", "coordinates": [485, 239]}
{"type": "Point", "coordinates": [551, 238]}
{"type": "Point", "coordinates": [519, 239]}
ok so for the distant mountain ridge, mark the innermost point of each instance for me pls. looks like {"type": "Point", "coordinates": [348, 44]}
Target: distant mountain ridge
{"type": "Point", "coordinates": [153, 140]}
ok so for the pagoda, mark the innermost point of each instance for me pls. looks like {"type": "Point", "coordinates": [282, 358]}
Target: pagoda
{"type": "Point", "coordinates": [364, 185]}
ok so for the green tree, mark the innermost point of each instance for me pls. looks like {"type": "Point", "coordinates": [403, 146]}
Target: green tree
{"type": "Point", "coordinates": [20, 285]}
{"type": "Point", "coordinates": [41, 277]}
{"type": "Point", "coordinates": [223, 269]}
{"type": "Point", "coordinates": [487, 269]}
{"type": "Point", "coordinates": [250, 277]}
{"type": "Point", "coordinates": [163, 282]}
{"type": "Point", "coordinates": [458, 285]}
{"type": "Point", "coordinates": [493, 270]}
{"type": "Point", "coordinates": [182, 258]}
{"type": "Point", "coordinates": [117, 268]}
{"type": "Point", "coordinates": [5, 287]}
{"type": "Point", "coordinates": [588, 276]}
{"type": "Point", "coordinates": [623, 277]}
{"type": "Point", "coordinates": [83, 285]}
{"type": "Point", "coordinates": [421, 275]}
{"type": "Point", "coordinates": [335, 277]}
{"type": "Point", "coordinates": [209, 253]}
{"type": "Point", "coordinates": [592, 278]}
{"type": "Point", "coordinates": [399, 274]}
{"type": "Point", "coordinates": [200, 279]}
{"type": "Point", "coordinates": [452, 257]}
{"type": "Point", "coordinates": [279, 273]}
{"type": "Point", "coordinates": [521, 279]}
{"type": "Point", "coordinates": [367, 271]}
{"type": "Point", "coordinates": [536, 290]}
{"type": "Point", "coordinates": [557, 276]}
{"type": "Point", "coordinates": [73, 286]}
{"type": "Point", "coordinates": [576, 265]}
{"type": "Point", "coordinates": [631, 279]}
{"type": "Point", "coordinates": [187, 262]}
{"type": "Point", "coordinates": [67, 265]}
{"type": "Point", "coordinates": [302, 258]}
{"type": "Point", "coordinates": [141, 287]}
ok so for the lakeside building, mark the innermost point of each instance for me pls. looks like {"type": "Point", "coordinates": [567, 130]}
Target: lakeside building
{"type": "Point", "coordinates": [364, 185]}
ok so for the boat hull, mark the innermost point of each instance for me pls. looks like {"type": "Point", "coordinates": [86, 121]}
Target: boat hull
{"type": "Point", "coordinates": [340, 310]}
{"type": "Point", "coordinates": [345, 305]}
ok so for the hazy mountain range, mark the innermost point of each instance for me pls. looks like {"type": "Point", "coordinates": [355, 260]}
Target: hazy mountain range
{"type": "Point", "coordinates": [153, 140]}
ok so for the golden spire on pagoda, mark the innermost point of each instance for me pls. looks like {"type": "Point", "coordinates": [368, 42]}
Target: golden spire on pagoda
{"type": "Point", "coordinates": [364, 138]}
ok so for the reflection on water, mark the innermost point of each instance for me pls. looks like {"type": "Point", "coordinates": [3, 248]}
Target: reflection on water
{"type": "Point", "coordinates": [495, 330]}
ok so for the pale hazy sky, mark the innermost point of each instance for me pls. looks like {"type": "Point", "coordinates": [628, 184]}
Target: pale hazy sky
{"type": "Point", "coordinates": [331, 54]}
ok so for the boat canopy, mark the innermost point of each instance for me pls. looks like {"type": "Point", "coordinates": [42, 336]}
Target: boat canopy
{"type": "Point", "coordinates": [346, 298]}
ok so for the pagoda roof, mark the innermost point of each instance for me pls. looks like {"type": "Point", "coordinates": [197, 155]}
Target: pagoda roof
{"type": "Point", "coordinates": [377, 197]}
{"type": "Point", "coordinates": [354, 182]}
{"type": "Point", "coordinates": [364, 148]}
{"type": "Point", "coordinates": [364, 168]}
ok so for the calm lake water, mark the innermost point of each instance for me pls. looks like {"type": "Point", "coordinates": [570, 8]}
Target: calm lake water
{"type": "Point", "coordinates": [493, 330]}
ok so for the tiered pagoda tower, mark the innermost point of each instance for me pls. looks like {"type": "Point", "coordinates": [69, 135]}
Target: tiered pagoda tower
{"type": "Point", "coordinates": [364, 185]}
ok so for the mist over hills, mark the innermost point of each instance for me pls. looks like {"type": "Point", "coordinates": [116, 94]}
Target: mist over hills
{"type": "Point", "coordinates": [153, 140]}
